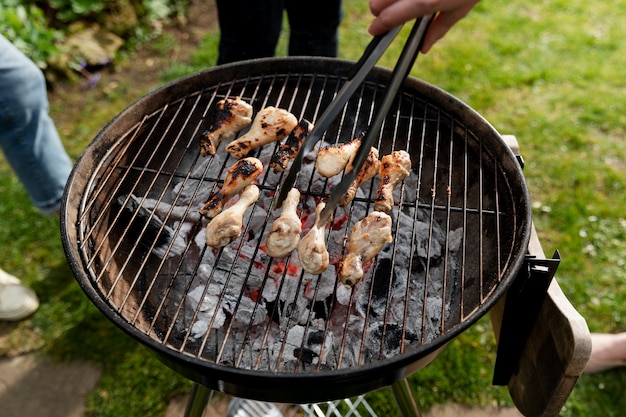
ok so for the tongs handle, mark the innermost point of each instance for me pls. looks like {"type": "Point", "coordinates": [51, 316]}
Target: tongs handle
{"type": "Point", "coordinates": [400, 72]}
{"type": "Point", "coordinates": [361, 69]}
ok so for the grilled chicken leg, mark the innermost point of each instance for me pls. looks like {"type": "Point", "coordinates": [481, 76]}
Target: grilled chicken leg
{"type": "Point", "coordinates": [368, 171]}
{"type": "Point", "coordinates": [269, 125]}
{"type": "Point", "coordinates": [393, 168]}
{"type": "Point", "coordinates": [231, 115]}
{"type": "Point", "coordinates": [285, 232]}
{"type": "Point", "coordinates": [241, 174]}
{"type": "Point", "coordinates": [312, 251]}
{"type": "Point", "coordinates": [226, 226]}
{"type": "Point", "coordinates": [332, 159]}
{"type": "Point", "coordinates": [290, 148]}
{"type": "Point", "coordinates": [367, 238]}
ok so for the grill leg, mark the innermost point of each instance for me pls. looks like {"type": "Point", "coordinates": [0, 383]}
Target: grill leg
{"type": "Point", "coordinates": [404, 397]}
{"type": "Point", "coordinates": [198, 400]}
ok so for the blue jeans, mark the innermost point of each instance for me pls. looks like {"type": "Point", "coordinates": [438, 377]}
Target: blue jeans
{"type": "Point", "coordinates": [251, 28]}
{"type": "Point", "coordinates": [28, 136]}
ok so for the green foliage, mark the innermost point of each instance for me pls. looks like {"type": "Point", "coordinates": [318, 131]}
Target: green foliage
{"type": "Point", "coordinates": [38, 28]}
{"type": "Point", "coordinates": [27, 27]}
{"type": "Point", "coordinates": [72, 10]}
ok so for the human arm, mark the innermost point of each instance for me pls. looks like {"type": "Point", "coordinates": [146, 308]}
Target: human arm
{"type": "Point", "coordinates": [390, 13]}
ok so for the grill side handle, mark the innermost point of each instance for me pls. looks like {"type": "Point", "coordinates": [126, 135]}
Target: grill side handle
{"type": "Point", "coordinates": [524, 300]}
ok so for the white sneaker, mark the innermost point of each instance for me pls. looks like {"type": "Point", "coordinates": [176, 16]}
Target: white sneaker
{"type": "Point", "coordinates": [16, 300]}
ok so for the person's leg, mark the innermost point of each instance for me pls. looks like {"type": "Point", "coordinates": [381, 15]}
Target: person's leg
{"type": "Point", "coordinates": [314, 27]}
{"type": "Point", "coordinates": [248, 28]}
{"type": "Point", "coordinates": [28, 135]}
{"type": "Point", "coordinates": [607, 351]}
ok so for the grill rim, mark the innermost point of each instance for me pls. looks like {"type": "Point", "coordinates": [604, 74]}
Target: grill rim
{"type": "Point", "coordinates": [296, 387]}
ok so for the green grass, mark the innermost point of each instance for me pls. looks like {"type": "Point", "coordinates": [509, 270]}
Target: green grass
{"type": "Point", "coordinates": [551, 73]}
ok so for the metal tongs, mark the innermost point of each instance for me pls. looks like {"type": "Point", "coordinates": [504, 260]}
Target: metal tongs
{"type": "Point", "coordinates": [372, 54]}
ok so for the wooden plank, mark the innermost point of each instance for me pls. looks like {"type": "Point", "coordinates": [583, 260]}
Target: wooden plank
{"type": "Point", "coordinates": [556, 352]}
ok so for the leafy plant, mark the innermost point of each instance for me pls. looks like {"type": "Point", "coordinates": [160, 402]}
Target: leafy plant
{"type": "Point", "coordinates": [26, 27]}
{"type": "Point", "coordinates": [72, 10]}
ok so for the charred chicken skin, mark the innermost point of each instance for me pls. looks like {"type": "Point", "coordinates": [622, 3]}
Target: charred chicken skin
{"type": "Point", "coordinates": [241, 174]}
{"type": "Point", "coordinates": [226, 226]}
{"type": "Point", "coordinates": [231, 115]}
{"type": "Point", "coordinates": [288, 150]}
{"type": "Point", "coordinates": [393, 169]}
{"type": "Point", "coordinates": [312, 251]}
{"type": "Point", "coordinates": [332, 159]}
{"type": "Point", "coordinates": [269, 125]}
{"type": "Point", "coordinates": [367, 238]}
{"type": "Point", "coordinates": [285, 232]}
{"type": "Point", "coordinates": [368, 171]}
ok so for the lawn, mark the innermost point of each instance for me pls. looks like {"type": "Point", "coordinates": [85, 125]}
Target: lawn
{"type": "Point", "coordinates": [551, 73]}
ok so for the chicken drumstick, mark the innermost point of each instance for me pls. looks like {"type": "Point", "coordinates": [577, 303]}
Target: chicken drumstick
{"type": "Point", "coordinates": [241, 174]}
{"type": "Point", "coordinates": [332, 159]}
{"type": "Point", "coordinates": [231, 115]}
{"type": "Point", "coordinates": [367, 238]}
{"type": "Point", "coordinates": [269, 125]}
{"type": "Point", "coordinates": [393, 168]}
{"type": "Point", "coordinates": [285, 232]}
{"type": "Point", "coordinates": [312, 251]}
{"type": "Point", "coordinates": [226, 226]}
{"type": "Point", "coordinates": [368, 171]}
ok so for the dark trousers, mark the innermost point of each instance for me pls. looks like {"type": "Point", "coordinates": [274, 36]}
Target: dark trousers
{"type": "Point", "coordinates": [250, 28]}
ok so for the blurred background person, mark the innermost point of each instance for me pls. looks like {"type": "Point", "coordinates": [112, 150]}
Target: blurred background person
{"type": "Point", "coordinates": [31, 145]}
{"type": "Point", "coordinates": [250, 28]}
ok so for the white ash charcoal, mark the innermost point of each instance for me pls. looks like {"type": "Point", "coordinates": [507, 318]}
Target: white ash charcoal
{"type": "Point", "coordinates": [244, 309]}
{"type": "Point", "coordinates": [173, 212]}
{"type": "Point", "coordinates": [435, 280]}
{"type": "Point", "coordinates": [199, 329]}
{"type": "Point", "coordinates": [373, 295]}
{"type": "Point", "coordinates": [293, 343]}
{"type": "Point", "coordinates": [343, 295]}
{"type": "Point", "coordinates": [201, 301]}
{"type": "Point", "coordinates": [432, 329]}
{"type": "Point", "coordinates": [256, 351]}
{"type": "Point", "coordinates": [410, 190]}
{"type": "Point", "coordinates": [250, 251]}
{"type": "Point", "coordinates": [290, 289]}
{"type": "Point", "coordinates": [288, 305]}
{"type": "Point", "coordinates": [209, 311]}
{"type": "Point", "coordinates": [455, 240]}
{"type": "Point", "coordinates": [145, 227]}
{"type": "Point", "coordinates": [321, 286]}
{"type": "Point", "coordinates": [176, 247]}
{"type": "Point", "coordinates": [319, 341]}
{"type": "Point", "coordinates": [194, 190]}
{"type": "Point", "coordinates": [205, 274]}
{"type": "Point", "coordinates": [306, 349]}
{"type": "Point", "coordinates": [305, 316]}
{"type": "Point", "coordinates": [190, 192]}
{"type": "Point", "coordinates": [391, 338]}
{"type": "Point", "coordinates": [292, 294]}
{"type": "Point", "coordinates": [200, 241]}
{"type": "Point", "coordinates": [304, 177]}
{"type": "Point", "coordinates": [270, 290]}
{"type": "Point", "coordinates": [243, 273]}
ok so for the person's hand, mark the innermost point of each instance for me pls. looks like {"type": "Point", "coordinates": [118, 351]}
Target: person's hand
{"type": "Point", "coordinates": [391, 13]}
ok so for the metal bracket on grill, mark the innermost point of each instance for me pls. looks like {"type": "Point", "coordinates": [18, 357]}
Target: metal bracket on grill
{"type": "Point", "coordinates": [521, 309]}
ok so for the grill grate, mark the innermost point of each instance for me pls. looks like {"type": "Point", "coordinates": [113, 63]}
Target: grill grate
{"type": "Point", "coordinates": [456, 227]}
